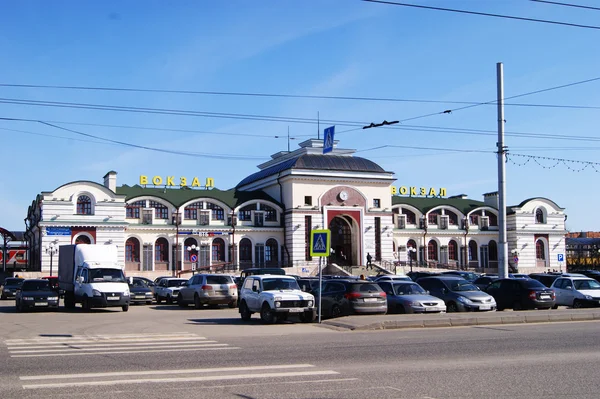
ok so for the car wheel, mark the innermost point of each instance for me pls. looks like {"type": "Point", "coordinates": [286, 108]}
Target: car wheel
{"type": "Point", "coordinates": [232, 304]}
{"type": "Point", "coordinates": [158, 300]}
{"type": "Point", "coordinates": [245, 312]}
{"type": "Point", "coordinates": [307, 317]}
{"type": "Point", "coordinates": [169, 300]}
{"type": "Point", "coordinates": [577, 304]}
{"type": "Point", "coordinates": [266, 315]}
{"type": "Point", "coordinates": [452, 307]}
{"type": "Point", "coordinates": [336, 311]}
{"type": "Point", "coordinates": [85, 304]}
{"type": "Point", "coordinates": [555, 307]}
{"type": "Point", "coordinates": [197, 303]}
{"type": "Point", "coordinates": [125, 308]}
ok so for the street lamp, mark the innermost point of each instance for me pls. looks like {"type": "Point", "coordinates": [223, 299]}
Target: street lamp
{"type": "Point", "coordinates": [51, 249]}
{"type": "Point", "coordinates": [176, 221]}
{"type": "Point", "coordinates": [193, 250]}
{"type": "Point", "coordinates": [411, 252]}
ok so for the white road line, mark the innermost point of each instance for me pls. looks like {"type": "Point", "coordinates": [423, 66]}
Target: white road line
{"type": "Point", "coordinates": [160, 372]}
{"type": "Point", "coordinates": [120, 347]}
{"type": "Point", "coordinates": [183, 379]}
{"type": "Point", "coordinates": [80, 353]}
{"type": "Point", "coordinates": [76, 345]}
{"type": "Point", "coordinates": [95, 339]}
{"type": "Point", "coordinates": [102, 336]}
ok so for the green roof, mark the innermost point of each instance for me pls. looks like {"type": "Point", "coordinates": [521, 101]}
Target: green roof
{"type": "Point", "coordinates": [179, 196]}
{"type": "Point", "coordinates": [425, 204]}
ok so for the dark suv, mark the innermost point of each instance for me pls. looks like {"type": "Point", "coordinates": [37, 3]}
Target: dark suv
{"type": "Point", "coordinates": [342, 297]}
{"type": "Point", "coordinates": [545, 278]}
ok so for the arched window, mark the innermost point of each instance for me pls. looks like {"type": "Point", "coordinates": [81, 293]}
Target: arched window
{"type": "Point", "coordinates": [410, 216]}
{"type": "Point", "coordinates": [271, 252]}
{"type": "Point", "coordinates": [160, 211]}
{"type": "Point", "coordinates": [245, 251]}
{"type": "Point", "coordinates": [452, 218]}
{"type": "Point", "coordinates": [432, 250]}
{"type": "Point", "coordinates": [245, 214]}
{"type": "Point", "coordinates": [132, 211]}
{"type": "Point", "coordinates": [132, 250]}
{"type": "Point", "coordinates": [540, 250]}
{"type": "Point", "coordinates": [84, 205]}
{"type": "Point", "coordinates": [83, 239]}
{"type": "Point", "coordinates": [432, 217]}
{"type": "Point", "coordinates": [472, 250]}
{"type": "Point", "coordinates": [217, 211]}
{"type": "Point", "coordinates": [492, 250]}
{"type": "Point", "coordinates": [270, 213]}
{"type": "Point", "coordinates": [452, 250]}
{"type": "Point", "coordinates": [539, 215]}
{"type": "Point", "coordinates": [190, 212]}
{"type": "Point", "coordinates": [412, 255]}
{"type": "Point", "coordinates": [188, 243]}
{"type": "Point", "coordinates": [161, 250]}
{"type": "Point", "coordinates": [218, 250]}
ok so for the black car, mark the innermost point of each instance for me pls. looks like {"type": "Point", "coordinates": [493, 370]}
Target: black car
{"type": "Point", "coordinates": [36, 294]}
{"type": "Point", "coordinates": [521, 294]}
{"type": "Point", "coordinates": [483, 281]}
{"type": "Point", "coordinates": [545, 278]}
{"type": "Point", "coordinates": [595, 274]}
{"type": "Point", "coordinates": [309, 284]}
{"type": "Point", "coordinates": [469, 276]}
{"type": "Point", "coordinates": [10, 287]}
{"type": "Point", "coordinates": [414, 276]}
{"type": "Point", "coordinates": [139, 291]}
{"type": "Point", "coordinates": [341, 297]}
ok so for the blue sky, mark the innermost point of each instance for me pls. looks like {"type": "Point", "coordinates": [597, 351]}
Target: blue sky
{"type": "Point", "coordinates": [332, 48]}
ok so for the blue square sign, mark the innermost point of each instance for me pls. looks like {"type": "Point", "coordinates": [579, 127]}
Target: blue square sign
{"type": "Point", "coordinates": [561, 257]}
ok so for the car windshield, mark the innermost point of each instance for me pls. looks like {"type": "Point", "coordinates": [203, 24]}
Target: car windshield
{"type": "Point", "coordinates": [35, 286]}
{"type": "Point", "coordinates": [218, 280]}
{"type": "Point", "coordinates": [139, 283]}
{"type": "Point", "coordinates": [14, 281]}
{"type": "Point", "coordinates": [271, 284]}
{"type": "Point", "coordinates": [462, 286]}
{"type": "Point", "coordinates": [586, 285]}
{"type": "Point", "coordinates": [533, 284]}
{"type": "Point", "coordinates": [409, 289]}
{"type": "Point", "coordinates": [107, 276]}
{"type": "Point", "coordinates": [175, 283]}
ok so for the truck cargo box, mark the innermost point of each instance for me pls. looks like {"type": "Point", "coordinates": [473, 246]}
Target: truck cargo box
{"type": "Point", "coordinates": [66, 267]}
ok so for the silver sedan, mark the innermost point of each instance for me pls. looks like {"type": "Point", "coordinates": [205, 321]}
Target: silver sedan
{"type": "Point", "coordinates": [409, 297]}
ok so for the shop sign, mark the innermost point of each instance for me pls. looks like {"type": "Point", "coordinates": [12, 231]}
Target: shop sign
{"type": "Point", "coordinates": [58, 231]}
{"type": "Point", "coordinates": [418, 191]}
{"type": "Point", "coordinates": [169, 181]}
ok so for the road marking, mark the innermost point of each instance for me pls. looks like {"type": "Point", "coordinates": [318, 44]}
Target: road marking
{"type": "Point", "coordinates": [119, 347]}
{"type": "Point", "coordinates": [162, 372]}
{"type": "Point", "coordinates": [180, 379]}
{"type": "Point", "coordinates": [99, 336]}
{"type": "Point", "coordinates": [192, 349]}
{"type": "Point", "coordinates": [93, 345]}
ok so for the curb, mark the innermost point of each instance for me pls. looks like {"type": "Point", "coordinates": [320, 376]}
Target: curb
{"type": "Point", "coordinates": [461, 321]}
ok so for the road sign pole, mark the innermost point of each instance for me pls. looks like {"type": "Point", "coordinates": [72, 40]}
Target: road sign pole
{"type": "Point", "coordinates": [320, 286]}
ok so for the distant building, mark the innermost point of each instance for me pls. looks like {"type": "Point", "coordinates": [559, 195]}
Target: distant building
{"type": "Point", "coordinates": [166, 224]}
{"type": "Point", "coordinates": [583, 250]}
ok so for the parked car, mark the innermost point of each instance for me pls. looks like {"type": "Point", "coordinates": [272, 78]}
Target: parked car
{"type": "Point", "coordinates": [521, 293]}
{"type": "Point", "coordinates": [520, 275]}
{"type": "Point", "coordinates": [469, 276]}
{"type": "Point", "coordinates": [577, 292]}
{"type": "Point", "coordinates": [10, 287]}
{"type": "Point", "coordinates": [483, 281]}
{"type": "Point", "coordinates": [545, 278]}
{"type": "Point", "coordinates": [309, 284]}
{"type": "Point", "coordinates": [35, 294]}
{"type": "Point", "coordinates": [275, 297]}
{"type": "Point", "coordinates": [139, 291]}
{"type": "Point", "coordinates": [410, 297]}
{"type": "Point", "coordinates": [168, 289]}
{"type": "Point", "coordinates": [458, 294]}
{"type": "Point", "coordinates": [595, 274]}
{"type": "Point", "coordinates": [341, 297]}
{"type": "Point", "coordinates": [53, 280]}
{"type": "Point", "coordinates": [392, 278]}
{"type": "Point", "coordinates": [253, 271]}
{"type": "Point", "coordinates": [149, 282]}
{"type": "Point", "coordinates": [417, 275]}
{"type": "Point", "coordinates": [208, 289]}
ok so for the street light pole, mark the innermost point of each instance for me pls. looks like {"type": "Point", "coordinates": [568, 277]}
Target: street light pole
{"type": "Point", "coordinates": [411, 251]}
{"type": "Point", "coordinates": [193, 250]}
{"type": "Point", "coordinates": [51, 249]}
{"type": "Point", "coordinates": [176, 220]}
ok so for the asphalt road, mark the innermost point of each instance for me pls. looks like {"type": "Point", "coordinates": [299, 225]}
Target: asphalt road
{"type": "Point", "coordinates": [163, 351]}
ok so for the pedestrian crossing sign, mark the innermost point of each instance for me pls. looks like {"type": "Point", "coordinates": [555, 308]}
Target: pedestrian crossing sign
{"type": "Point", "coordinates": [320, 242]}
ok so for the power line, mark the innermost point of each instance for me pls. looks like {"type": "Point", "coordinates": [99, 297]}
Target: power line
{"type": "Point", "coordinates": [556, 162]}
{"type": "Point", "coordinates": [567, 4]}
{"type": "Point", "coordinates": [485, 14]}
{"type": "Point", "coordinates": [54, 136]}
{"type": "Point", "coordinates": [285, 95]}
{"type": "Point", "coordinates": [426, 148]}
{"type": "Point", "coordinates": [143, 147]}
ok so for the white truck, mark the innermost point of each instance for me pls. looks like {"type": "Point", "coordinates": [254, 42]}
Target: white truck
{"type": "Point", "coordinates": [275, 297]}
{"type": "Point", "coordinates": [90, 274]}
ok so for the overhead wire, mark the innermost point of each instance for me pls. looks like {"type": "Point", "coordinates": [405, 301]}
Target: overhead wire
{"type": "Point", "coordinates": [557, 3]}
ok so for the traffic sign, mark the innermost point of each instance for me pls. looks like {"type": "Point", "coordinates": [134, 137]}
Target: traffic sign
{"type": "Point", "coordinates": [328, 139]}
{"type": "Point", "coordinates": [320, 242]}
{"type": "Point", "coordinates": [194, 258]}
{"type": "Point", "coordinates": [561, 257]}
{"type": "Point", "coordinates": [516, 259]}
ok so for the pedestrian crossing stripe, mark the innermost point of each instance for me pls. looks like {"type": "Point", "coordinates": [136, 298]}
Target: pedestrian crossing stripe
{"type": "Point", "coordinates": [320, 242]}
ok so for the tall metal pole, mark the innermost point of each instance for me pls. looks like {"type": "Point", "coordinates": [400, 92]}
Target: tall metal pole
{"type": "Point", "coordinates": [320, 287]}
{"type": "Point", "coordinates": [502, 245]}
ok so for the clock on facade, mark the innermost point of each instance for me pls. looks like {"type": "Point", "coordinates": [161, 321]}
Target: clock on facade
{"type": "Point", "coordinates": [343, 195]}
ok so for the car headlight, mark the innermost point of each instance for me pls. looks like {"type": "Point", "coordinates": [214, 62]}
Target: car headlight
{"type": "Point", "coordinates": [28, 298]}
{"type": "Point", "coordinates": [588, 297]}
{"type": "Point", "coordinates": [310, 304]}
{"type": "Point", "coordinates": [278, 298]}
{"type": "Point", "coordinates": [96, 293]}
{"type": "Point", "coordinates": [53, 298]}
{"type": "Point", "coordinates": [277, 304]}
{"type": "Point", "coordinates": [148, 294]}
{"type": "Point", "coordinates": [464, 299]}
{"type": "Point", "coordinates": [126, 293]}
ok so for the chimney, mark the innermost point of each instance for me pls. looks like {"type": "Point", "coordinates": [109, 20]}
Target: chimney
{"type": "Point", "coordinates": [491, 199]}
{"type": "Point", "coordinates": [110, 181]}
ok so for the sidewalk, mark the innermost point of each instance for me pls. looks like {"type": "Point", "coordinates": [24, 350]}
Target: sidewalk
{"type": "Point", "coordinates": [400, 321]}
